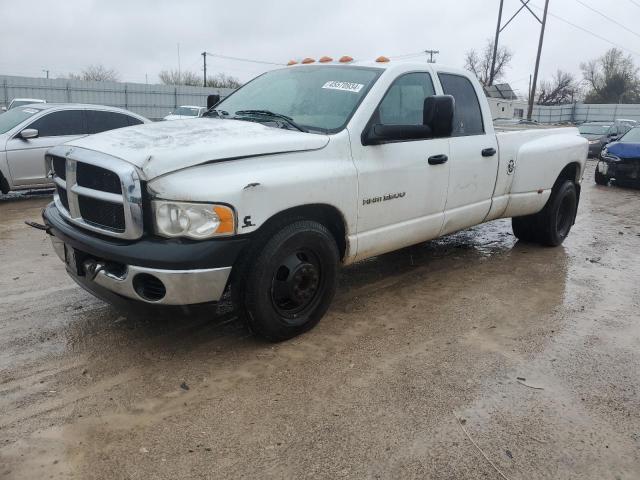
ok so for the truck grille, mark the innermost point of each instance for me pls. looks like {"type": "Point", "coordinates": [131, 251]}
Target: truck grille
{"type": "Point", "coordinates": [96, 191]}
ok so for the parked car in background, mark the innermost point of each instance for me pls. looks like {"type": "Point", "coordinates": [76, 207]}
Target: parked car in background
{"type": "Point", "coordinates": [27, 132]}
{"type": "Point", "coordinates": [599, 134]}
{"type": "Point", "coordinates": [621, 161]}
{"type": "Point", "coordinates": [19, 102]}
{"type": "Point", "coordinates": [186, 111]}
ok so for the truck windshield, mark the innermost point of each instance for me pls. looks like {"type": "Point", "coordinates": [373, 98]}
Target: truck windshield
{"type": "Point", "coordinates": [14, 117]}
{"type": "Point", "coordinates": [320, 98]}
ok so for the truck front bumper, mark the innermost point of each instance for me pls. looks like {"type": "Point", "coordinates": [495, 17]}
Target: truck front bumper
{"type": "Point", "coordinates": [151, 270]}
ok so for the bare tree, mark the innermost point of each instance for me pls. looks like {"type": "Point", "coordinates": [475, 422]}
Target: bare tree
{"type": "Point", "coordinates": [175, 77]}
{"type": "Point", "coordinates": [612, 78]}
{"type": "Point", "coordinates": [97, 73]}
{"type": "Point", "coordinates": [560, 90]}
{"type": "Point", "coordinates": [222, 80]}
{"type": "Point", "coordinates": [480, 63]}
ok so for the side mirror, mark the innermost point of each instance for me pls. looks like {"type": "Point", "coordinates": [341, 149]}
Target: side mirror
{"type": "Point", "coordinates": [438, 114]}
{"type": "Point", "coordinates": [212, 100]}
{"type": "Point", "coordinates": [4, 109]}
{"type": "Point", "coordinates": [28, 133]}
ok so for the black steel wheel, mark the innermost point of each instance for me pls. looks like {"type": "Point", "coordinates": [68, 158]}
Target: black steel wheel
{"type": "Point", "coordinates": [290, 281]}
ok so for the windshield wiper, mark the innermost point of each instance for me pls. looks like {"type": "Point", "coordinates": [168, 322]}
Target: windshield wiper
{"type": "Point", "coordinates": [268, 113]}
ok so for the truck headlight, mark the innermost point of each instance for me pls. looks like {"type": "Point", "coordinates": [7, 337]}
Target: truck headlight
{"type": "Point", "coordinates": [192, 220]}
{"type": "Point", "coordinates": [593, 142]}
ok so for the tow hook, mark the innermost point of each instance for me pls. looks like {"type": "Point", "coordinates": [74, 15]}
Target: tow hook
{"type": "Point", "coordinates": [92, 268]}
{"type": "Point", "coordinates": [37, 226]}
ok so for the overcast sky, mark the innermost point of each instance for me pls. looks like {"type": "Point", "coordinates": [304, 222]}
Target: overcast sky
{"type": "Point", "coordinates": [140, 37]}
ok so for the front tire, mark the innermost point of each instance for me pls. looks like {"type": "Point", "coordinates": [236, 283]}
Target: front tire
{"type": "Point", "coordinates": [291, 281]}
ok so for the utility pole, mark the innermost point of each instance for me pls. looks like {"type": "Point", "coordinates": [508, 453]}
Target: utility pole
{"type": "Point", "coordinates": [431, 53]}
{"type": "Point", "coordinates": [46, 71]}
{"type": "Point", "coordinates": [532, 93]}
{"type": "Point", "coordinates": [204, 60]}
{"type": "Point", "coordinates": [495, 45]}
{"type": "Point", "coordinates": [500, 28]}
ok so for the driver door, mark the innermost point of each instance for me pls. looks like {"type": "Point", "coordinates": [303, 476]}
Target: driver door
{"type": "Point", "coordinates": [26, 157]}
{"type": "Point", "coordinates": [402, 191]}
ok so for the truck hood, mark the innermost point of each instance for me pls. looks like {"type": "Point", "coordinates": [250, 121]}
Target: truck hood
{"type": "Point", "coordinates": [164, 147]}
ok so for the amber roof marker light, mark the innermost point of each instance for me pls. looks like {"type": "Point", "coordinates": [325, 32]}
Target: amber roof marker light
{"type": "Point", "coordinates": [346, 59]}
{"type": "Point", "coordinates": [291, 62]}
{"type": "Point", "coordinates": [325, 59]}
{"type": "Point", "coordinates": [308, 60]}
{"type": "Point", "coordinates": [382, 59]}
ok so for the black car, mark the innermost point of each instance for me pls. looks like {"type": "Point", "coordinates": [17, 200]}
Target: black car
{"type": "Point", "coordinates": [599, 134]}
{"type": "Point", "coordinates": [621, 161]}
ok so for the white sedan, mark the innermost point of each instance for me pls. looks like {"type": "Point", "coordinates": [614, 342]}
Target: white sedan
{"type": "Point", "coordinates": [27, 132]}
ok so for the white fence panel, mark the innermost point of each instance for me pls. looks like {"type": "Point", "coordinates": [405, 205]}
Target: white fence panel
{"type": "Point", "coordinates": [151, 101]}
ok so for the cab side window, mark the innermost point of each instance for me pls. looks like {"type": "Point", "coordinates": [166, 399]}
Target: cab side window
{"type": "Point", "coordinates": [56, 124]}
{"type": "Point", "coordinates": [403, 104]}
{"type": "Point", "coordinates": [467, 118]}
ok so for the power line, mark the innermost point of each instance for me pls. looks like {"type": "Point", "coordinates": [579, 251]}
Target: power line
{"type": "Point", "coordinates": [635, 3]}
{"type": "Point", "coordinates": [608, 18]}
{"type": "Point", "coordinates": [589, 32]}
{"type": "Point", "coordinates": [238, 59]}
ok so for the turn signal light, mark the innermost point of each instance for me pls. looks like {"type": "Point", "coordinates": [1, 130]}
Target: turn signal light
{"type": "Point", "coordinates": [325, 59]}
{"type": "Point", "coordinates": [291, 62]}
{"type": "Point", "coordinates": [382, 59]}
{"type": "Point", "coordinates": [308, 60]}
{"type": "Point", "coordinates": [346, 59]}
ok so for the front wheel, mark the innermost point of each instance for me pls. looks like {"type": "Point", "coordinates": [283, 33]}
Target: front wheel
{"type": "Point", "coordinates": [291, 281]}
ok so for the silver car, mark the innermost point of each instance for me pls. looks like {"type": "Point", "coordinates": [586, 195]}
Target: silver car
{"type": "Point", "coordinates": [26, 132]}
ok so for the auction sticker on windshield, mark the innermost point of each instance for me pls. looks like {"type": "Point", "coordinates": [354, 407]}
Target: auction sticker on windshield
{"type": "Point", "coordinates": [344, 86]}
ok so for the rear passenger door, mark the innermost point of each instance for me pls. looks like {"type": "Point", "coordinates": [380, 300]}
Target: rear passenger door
{"type": "Point", "coordinates": [102, 120]}
{"type": "Point", "coordinates": [26, 157]}
{"type": "Point", "coordinates": [474, 157]}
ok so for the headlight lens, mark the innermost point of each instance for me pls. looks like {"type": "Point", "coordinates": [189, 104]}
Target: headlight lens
{"type": "Point", "coordinates": [192, 220]}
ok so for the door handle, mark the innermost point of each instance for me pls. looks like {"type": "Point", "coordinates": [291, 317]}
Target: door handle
{"type": "Point", "coordinates": [438, 159]}
{"type": "Point", "coordinates": [488, 152]}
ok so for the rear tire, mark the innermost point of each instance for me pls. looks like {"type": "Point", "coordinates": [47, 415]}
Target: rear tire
{"type": "Point", "coordinates": [552, 225]}
{"type": "Point", "coordinates": [524, 228]}
{"type": "Point", "coordinates": [601, 179]}
{"type": "Point", "coordinates": [290, 280]}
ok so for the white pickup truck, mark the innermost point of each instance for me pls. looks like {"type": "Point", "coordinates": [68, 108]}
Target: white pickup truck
{"type": "Point", "coordinates": [301, 170]}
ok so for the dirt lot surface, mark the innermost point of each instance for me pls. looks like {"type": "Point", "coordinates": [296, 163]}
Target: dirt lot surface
{"type": "Point", "coordinates": [428, 357]}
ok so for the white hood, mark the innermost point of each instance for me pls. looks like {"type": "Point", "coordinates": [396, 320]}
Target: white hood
{"type": "Point", "coordinates": [163, 147]}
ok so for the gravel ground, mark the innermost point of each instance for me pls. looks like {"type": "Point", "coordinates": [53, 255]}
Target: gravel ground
{"type": "Point", "coordinates": [452, 359]}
